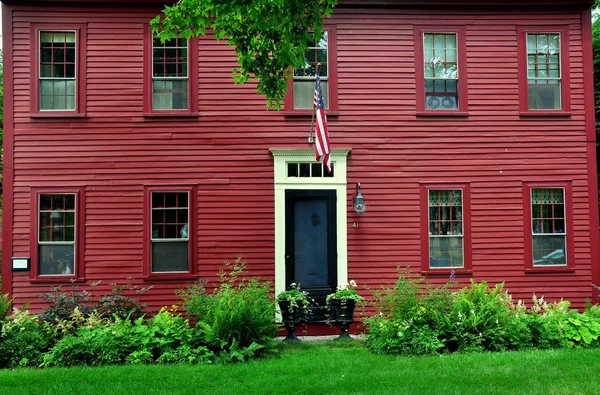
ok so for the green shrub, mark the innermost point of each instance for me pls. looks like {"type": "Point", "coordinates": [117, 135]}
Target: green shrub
{"type": "Point", "coordinates": [546, 323]}
{"type": "Point", "coordinates": [165, 338]}
{"type": "Point", "coordinates": [417, 318]}
{"type": "Point", "coordinates": [5, 304]}
{"type": "Point", "coordinates": [481, 319]}
{"type": "Point", "coordinates": [407, 322]}
{"type": "Point", "coordinates": [101, 345]}
{"type": "Point", "coordinates": [237, 315]}
{"type": "Point", "coordinates": [23, 340]}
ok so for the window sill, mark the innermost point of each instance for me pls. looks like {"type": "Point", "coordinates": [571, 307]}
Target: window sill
{"type": "Point", "coordinates": [56, 279]}
{"type": "Point", "coordinates": [442, 114]}
{"type": "Point", "coordinates": [171, 114]}
{"type": "Point", "coordinates": [308, 113]}
{"type": "Point", "coordinates": [550, 269]}
{"type": "Point", "coordinates": [58, 115]}
{"type": "Point", "coordinates": [446, 272]}
{"type": "Point", "coordinates": [169, 276]}
{"type": "Point", "coordinates": [549, 113]}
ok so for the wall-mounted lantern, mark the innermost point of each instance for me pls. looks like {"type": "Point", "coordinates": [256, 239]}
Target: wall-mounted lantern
{"type": "Point", "coordinates": [358, 203]}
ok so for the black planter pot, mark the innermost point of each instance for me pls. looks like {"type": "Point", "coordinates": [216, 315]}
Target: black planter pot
{"type": "Point", "coordinates": [342, 312]}
{"type": "Point", "coordinates": [290, 319]}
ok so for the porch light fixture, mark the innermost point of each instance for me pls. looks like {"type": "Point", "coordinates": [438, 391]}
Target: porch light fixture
{"type": "Point", "coordinates": [358, 203]}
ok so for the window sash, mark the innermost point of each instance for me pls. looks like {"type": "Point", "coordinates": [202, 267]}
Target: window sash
{"type": "Point", "coordinates": [64, 225]}
{"type": "Point", "coordinates": [180, 227]}
{"type": "Point", "coordinates": [174, 47]}
{"type": "Point", "coordinates": [548, 53]}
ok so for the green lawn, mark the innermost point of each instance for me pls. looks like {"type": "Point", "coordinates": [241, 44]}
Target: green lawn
{"type": "Point", "coordinates": [330, 369]}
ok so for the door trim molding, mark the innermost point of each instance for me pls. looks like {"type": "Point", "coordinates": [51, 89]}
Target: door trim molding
{"type": "Point", "coordinates": [282, 183]}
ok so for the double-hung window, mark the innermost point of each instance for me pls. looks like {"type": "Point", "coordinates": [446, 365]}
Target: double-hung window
{"type": "Point", "coordinates": [170, 231]}
{"type": "Point", "coordinates": [445, 220]}
{"type": "Point", "coordinates": [58, 61]}
{"type": "Point", "coordinates": [316, 61]}
{"type": "Point", "coordinates": [57, 236]}
{"type": "Point", "coordinates": [544, 70]}
{"type": "Point", "coordinates": [170, 76]}
{"type": "Point", "coordinates": [57, 70]}
{"type": "Point", "coordinates": [320, 57]}
{"type": "Point", "coordinates": [440, 70]}
{"type": "Point", "coordinates": [548, 225]}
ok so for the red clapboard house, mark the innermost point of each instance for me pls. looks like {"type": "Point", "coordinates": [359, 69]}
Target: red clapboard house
{"type": "Point", "coordinates": [469, 126]}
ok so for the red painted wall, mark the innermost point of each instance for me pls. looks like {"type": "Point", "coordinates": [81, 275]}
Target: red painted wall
{"type": "Point", "coordinates": [115, 151]}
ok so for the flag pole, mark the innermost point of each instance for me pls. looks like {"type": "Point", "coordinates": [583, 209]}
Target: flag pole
{"type": "Point", "coordinates": [312, 121]}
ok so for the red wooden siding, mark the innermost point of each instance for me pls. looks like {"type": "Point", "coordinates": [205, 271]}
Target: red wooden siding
{"type": "Point", "coordinates": [116, 151]}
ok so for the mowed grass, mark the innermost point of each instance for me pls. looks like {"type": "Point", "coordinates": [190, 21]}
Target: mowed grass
{"type": "Point", "coordinates": [331, 369]}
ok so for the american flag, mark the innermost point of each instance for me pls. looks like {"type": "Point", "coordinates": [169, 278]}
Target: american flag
{"type": "Point", "coordinates": [322, 148]}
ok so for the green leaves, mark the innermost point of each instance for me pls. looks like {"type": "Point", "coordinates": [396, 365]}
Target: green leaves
{"type": "Point", "coordinates": [270, 37]}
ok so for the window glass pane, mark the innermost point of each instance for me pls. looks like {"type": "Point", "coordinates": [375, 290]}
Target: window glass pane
{"type": "Point", "coordinates": [293, 169]}
{"type": "Point", "coordinates": [451, 55]}
{"type": "Point", "coordinates": [531, 44]}
{"type": "Point", "coordinates": [170, 94]}
{"type": "Point", "coordinates": [446, 252]}
{"type": "Point", "coordinates": [544, 94]}
{"type": "Point", "coordinates": [56, 259]}
{"type": "Point", "coordinates": [438, 44]}
{"type": "Point", "coordinates": [451, 41]}
{"type": "Point", "coordinates": [542, 42]}
{"type": "Point", "coordinates": [317, 170]}
{"type": "Point", "coordinates": [549, 250]}
{"type": "Point", "coordinates": [57, 94]}
{"type": "Point", "coordinates": [304, 169]}
{"type": "Point", "coordinates": [170, 256]}
{"type": "Point", "coordinates": [304, 92]}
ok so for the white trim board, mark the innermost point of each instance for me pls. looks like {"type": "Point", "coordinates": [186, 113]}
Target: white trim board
{"type": "Point", "coordinates": [282, 183]}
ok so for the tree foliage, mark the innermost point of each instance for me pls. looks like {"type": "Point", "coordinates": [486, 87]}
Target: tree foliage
{"type": "Point", "coordinates": [270, 36]}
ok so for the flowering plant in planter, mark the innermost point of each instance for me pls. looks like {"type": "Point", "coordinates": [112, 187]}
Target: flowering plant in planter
{"type": "Point", "coordinates": [295, 298]}
{"type": "Point", "coordinates": [347, 292]}
{"type": "Point", "coordinates": [294, 306]}
{"type": "Point", "coordinates": [341, 306]}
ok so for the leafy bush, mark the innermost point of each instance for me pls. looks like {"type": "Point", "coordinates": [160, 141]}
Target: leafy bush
{"type": "Point", "coordinates": [166, 338]}
{"type": "Point", "coordinates": [116, 304]}
{"type": "Point", "coordinates": [5, 304]}
{"type": "Point", "coordinates": [418, 318]}
{"type": "Point", "coordinates": [407, 322]}
{"type": "Point", "coordinates": [238, 315]}
{"type": "Point", "coordinates": [23, 340]}
{"type": "Point", "coordinates": [101, 345]}
{"type": "Point", "coordinates": [62, 304]}
{"type": "Point", "coordinates": [481, 320]}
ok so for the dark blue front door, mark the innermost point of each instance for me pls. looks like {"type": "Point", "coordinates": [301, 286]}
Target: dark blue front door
{"type": "Point", "coordinates": [311, 256]}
